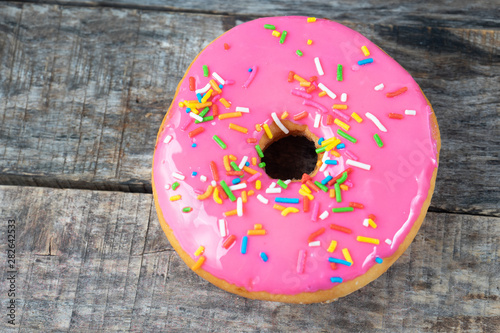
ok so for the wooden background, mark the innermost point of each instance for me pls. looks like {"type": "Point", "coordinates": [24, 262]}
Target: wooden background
{"type": "Point", "coordinates": [84, 86]}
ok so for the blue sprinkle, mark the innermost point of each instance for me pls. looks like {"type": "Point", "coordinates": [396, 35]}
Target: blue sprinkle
{"type": "Point", "coordinates": [336, 280]}
{"type": "Point", "coordinates": [198, 96]}
{"type": "Point", "coordinates": [244, 243]}
{"type": "Point", "coordinates": [188, 110]}
{"type": "Point", "coordinates": [320, 141]}
{"type": "Point", "coordinates": [326, 180]}
{"type": "Point", "coordinates": [264, 256]}
{"type": "Point", "coordinates": [221, 86]}
{"type": "Point", "coordinates": [247, 164]}
{"type": "Point", "coordinates": [331, 162]}
{"type": "Point", "coordinates": [236, 181]}
{"type": "Point", "coordinates": [249, 70]}
{"type": "Point", "coordinates": [365, 61]}
{"type": "Point", "coordinates": [287, 200]}
{"type": "Point", "coordinates": [339, 261]}
{"type": "Point", "coordinates": [340, 146]}
{"type": "Point", "coordinates": [194, 145]}
{"type": "Point", "coordinates": [194, 173]}
{"type": "Point", "coordinates": [378, 260]}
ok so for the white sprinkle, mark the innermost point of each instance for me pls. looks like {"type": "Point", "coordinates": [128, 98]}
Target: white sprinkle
{"type": "Point", "coordinates": [379, 87]}
{"type": "Point", "coordinates": [315, 243]}
{"type": "Point", "coordinates": [273, 185]}
{"type": "Point", "coordinates": [203, 90]}
{"type": "Point", "coordinates": [358, 164]}
{"type": "Point", "coordinates": [167, 186]}
{"type": "Point", "coordinates": [167, 139]}
{"type": "Point", "coordinates": [388, 241]}
{"type": "Point", "coordinates": [318, 66]}
{"type": "Point", "coordinates": [288, 181]}
{"type": "Point", "coordinates": [213, 183]}
{"type": "Point", "coordinates": [218, 78]}
{"type": "Point", "coordinates": [203, 178]}
{"type": "Point", "coordinates": [376, 121]}
{"type": "Point", "coordinates": [325, 157]}
{"type": "Point", "coordinates": [239, 186]}
{"type": "Point", "coordinates": [324, 215]}
{"type": "Point", "coordinates": [273, 190]}
{"type": "Point", "coordinates": [317, 120]}
{"type": "Point", "coordinates": [326, 173]}
{"type": "Point", "coordinates": [178, 175]}
{"type": "Point", "coordinates": [239, 207]}
{"type": "Point", "coordinates": [242, 109]}
{"type": "Point", "coordinates": [410, 112]}
{"type": "Point", "coordinates": [366, 223]}
{"type": "Point", "coordinates": [222, 228]}
{"type": "Point", "coordinates": [195, 116]}
{"type": "Point", "coordinates": [328, 91]}
{"type": "Point", "coordinates": [243, 161]}
{"type": "Point", "coordinates": [278, 123]}
{"type": "Point", "coordinates": [323, 166]}
{"type": "Point", "coordinates": [261, 198]}
{"type": "Point", "coordinates": [343, 97]}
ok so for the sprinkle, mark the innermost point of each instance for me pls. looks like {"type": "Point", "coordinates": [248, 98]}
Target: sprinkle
{"type": "Point", "coordinates": [262, 199]}
{"type": "Point", "coordinates": [328, 91]}
{"type": "Point", "coordinates": [258, 128]}
{"type": "Point", "coordinates": [264, 257]}
{"type": "Point", "coordinates": [410, 112]}
{"type": "Point", "coordinates": [196, 131]}
{"type": "Point", "coordinates": [244, 244]}
{"type": "Point", "coordinates": [187, 209]}
{"type": "Point", "coordinates": [321, 94]}
{"type": "Point", "coordinates": [225, 103]}
{"type": "Point", "coordinates": [268, 131]}
{"type": "Point", "coordinates": [269, 26]}
{"type": "Point", "coordinates": [262, 164]}
{"type": "Point", "coordinates": [331, 162]}
{"type": "Point", "coordinates": [379, 87]}
{"type": "Point", "coordinates": [251, 140]}
{"type": "Point", "coordinates": [218, 78]}
{"type": "Point", "coordinates": [306, 195]}
{"type": "Point", "coordinates": [222, 228]}
{"type": "Point", "coordinates": [234, 166]}
{"type": "Point", "coordinates": [284, 115]}
{"type": "Point", "coordinates": [339, 73]}
{"type": "Point", "coordinates": [343, 178]}
{"type": "Point", "coordinates": [367, 240]}
{"type": "Point", "coordinates": [309, 42]}
{"type": "Point", "coordinates": [203, 178]}
{"type": "Point", "coordinates": [219, 142]}
{"type": "Point", "coordinates": [250, 77]}
{"type": "Point", "coordinates": [283, 37]}
{"type": "Point", "coordinates": [306, 204]}
{"type": "Point", "coordinates": [282, 184]}
{"type": "Point", "coordinates": [199, 251]}
{"type": "Point", "coordinates": [311, 19]}
{"type": "Point", "coordinates": [239, 186]}
{"type": "Point", "coordinates": [205, 70]}
{"type": "Point", "coordinates": [378, 140]}
{"type": "Point", "coordinates": [256, 232]}
{"type": "Point", "coordinates": [226, 46]}
{"type": "Point", "coordinates": [315, 244]}
{"type": "Point", "coordinates": [336, 279]}
{"type": "Point", "coordinates": [242, 109]}
{"type": "Point", "coordinates": [276, 33]}
{"type": "Point", "coordinates": [315, 234]}
{"type": "Point", "coordinates": [340, 228]}
{"type": "Point", "coordinates": [250, 170]}
{"type": "Point", "coordinates": [338, 194]}
{"type": "Point", "coordinates": [365, 61]}
{"type": "Point", "coordinates": [203, 90]}
{"type": "Point", "coordinates": [376, 121]}
{"type": "Point", "coordinates": [358, 164]}
{"type": "Point", "coordinates": [301, 261]}
{"type": "Point", "coordinates": [346, 136]}
{"type": "Point", "coordinates": [397, 92]}
{"type": "Point", "coordinates": [388, 241]}
{"type": "Point", "coordinates": [257, 226]}
{"type": "Point", "coordinates": [289, 210]}
{"type": "Point", "coordinates": [229, 115]}
{"type": "Point", "coordinates": [396, 116]}
{"type": "Point", "coordinates": [356, 205]}
{"type": "Point", "coordinates": [279, 207]}
{"type": "Point", "coordinates": [305, 84]}
{"type": "Point", "coordinates": [339, 261]}
{"type": "Point", "coordinates": [179, 176]}
{"type": "Point", "coordinates": [347, 255]}
{"type": "Point", "coordinates": [372, 224]}
{"type": "Point", "coordinates": [365, 51]}
{"type": "Point", "coordinates": [239, 207]}
{"type": "Point", "coordinates": [286, 200]}
{"type": "Point", "coordinates": [341, 115]}
{"type": "Point", "coordinates": [198, 263]}
{"type": "Point", "coordinates": [254, 160]}
{"type": "Point", "coordinates": [230, 213]}
{"type": "Point", "coordinates": [291, 76]}
{"type": "Point", "coordinates": [259, 151]}
{"type": "Point", "coordinates": [339, 106]}
{"type": "Point", "coordinates": [273, 190]}
{"type": "Point", "coordinates": [333, 245]}
{"type": "Point", "coordinates": [318, 66]}
{"type": "Point", "coordinates": [167, 139]}
{"type": "Point", "coordinates": [343, 97]}
{"type": "Point", "coordinates": [242, 163]}
{"type": "Point", "coordinates": [195, 116]}
{"type": "Point", "coordinates": [317, 120]}
{"type": "Point", "coordinates": [227, 190]}
{"type": "Point", "coordinates": [278, 123]}
{"type": "Point", "coordinates": [300, 115]}
{"type": "Point", "coordinates": [175, 197]}
{"type": "Point", "coordinates": [326, 180]}
{"type": "Point", "coordinates": [229, 241]}
{"type": "Point", "coordinates": [378, 260]}
{"type": "Point", "coordinates": [341, 124]}
{"type": "Point", "coordinates": [205, 195]}
{"type": "Point", "coordinates": [342, 209]}
{"type": "Point", "coordinates": [299, 53]}
{"type": "Point", "coordinates": [258, 185]}
{"type": "Point", "coordinates": [314, 214]}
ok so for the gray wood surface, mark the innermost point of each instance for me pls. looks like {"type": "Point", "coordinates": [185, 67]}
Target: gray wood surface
{"type": "Point", "coordinates": [83, 91]}
{"type": "Point", "coordinates": [98, 261]}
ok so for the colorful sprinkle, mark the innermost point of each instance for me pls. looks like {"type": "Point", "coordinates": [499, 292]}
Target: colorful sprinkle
{"type": "Point", "coordinates": [244, 244]}
{"type": "Point", "coordinates": [175, 186]}
{"type": "Point", "coordinates": [332, 247]}
{"type": "Point", "coordinates": [286, 200]}
{"type": "Point", "coordinates": [365, 51]}
{"type": "Point", "coordinates": [301, 261]}
{"type": "Point", "coordinates": [276, 33]}
{"type": "Point", "coordinates": [339, 261]}
{"type": "Point", "coordinates": [199, 251]}
{"type": "Point", "coordinates": [229, 241]}
{"type": "Point", "coordinates": [219, 142]}
{"type": "Point", "coordinates": [264, 256]}
{"type": "Point", "coordinates": [259, 151]}
{"type": "Point", "coordinates": [283, 37]}
{"type": "Point", "coordinates": [378, 260]}
{"type": "Point", "coordinates": [397, 92]}
{"type": "Point", "coordinates": [367, 240]}
{"type": "Point", "coordinates": [410, 112]}
{"type": "Point", "coordinates": [340, 228]}
{"type": "Point", "coordinates": [175, 197]}
{"type": "Point", "coordinates": [342, 209]}
{"type": "Point", "coordinates": [347, 255]}
{"type": "Point", "coordinates": [278, 123]}
{"type": "Point", "coordinates": [395, 116]}
{"type": "Point", "coordinates": [377, 122]}
{"type": "Point", "coordinates": [336, 280]}
{"type": "Point", "coordinates": [358, 164]}
{"type": "Point", "coordinates": [269, 26]}
{"type": "Point", "coordinates": [378, 140]}
{"type": "Point", "coordinates": [198, 263]}
{"type": "Point", "coordinates": [365, 61]}
{"type": "Point", "coordinates": [346, 136]}
{"type": "Point", "coordinates": [340, 76]}
{"type": "Point", "coordinates": [311, 19]}
{"type": "Point", "coordinates": [187, 209]}
{"type": "Point", "coordinates": [227, 190]}
{"type": "Point", "coordinates": [328, 91]}
{"type": "Point", "coordinates": [299, 53]}
{"type": "Point", "coordinates": [205, 70]}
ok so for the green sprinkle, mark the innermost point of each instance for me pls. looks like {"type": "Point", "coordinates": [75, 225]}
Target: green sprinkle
{"type": "Point", "coordinates": [235, 166]}
{"type": "Point", "coordinates": [227, 190]}
{"type": "Point", "coordinates": [205, 70]}
{"type": "Point", "coordinates": [207, 118]}
{"type": "Point", "coordinates": [204, 111]}
{"type": "Point", "coordinates": [339, 73]}
{"type": "Point", "coordinates": [282, 184]}
{"type": "Point", "coordinates": [346, 136]}
{"type": "Point", "coordinates": [175, 186]}
{"type": "Point", "coordinates": [299, 53]}
{"type": "Point", "coordinates": [219, 142]}
{"type": "Point", "coordinates": [259, 151]}
{"type": "Point", "coordinates": [320, 150]}
{"type": "Point", "coordinates": [262, 164]}
{"type": "Point", "coordinates": [283, 36]}
{"type": "Point", "coordinates": [342, 209]}
{"type": "Point", "coordinates": [338, 194]}
{"type": "Point", "coordinates": [187, 209]}
{"type": "Point", "coordinates": [343, 178]}
{"type": "Point", "coordinates": [269, 26]}
{"type": "Point", "coordinates": [321, 186]}
{"type": "Point", "coordinates": [378, 140]}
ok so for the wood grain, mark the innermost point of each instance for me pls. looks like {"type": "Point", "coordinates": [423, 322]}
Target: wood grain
{"type": "Point", "coordinates": [98, 261]}
{"type": "Point", "coordinates": [83, 91]}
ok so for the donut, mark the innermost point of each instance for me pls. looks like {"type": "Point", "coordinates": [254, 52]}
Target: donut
{"type": "Point", "coordinates": [234, 187]}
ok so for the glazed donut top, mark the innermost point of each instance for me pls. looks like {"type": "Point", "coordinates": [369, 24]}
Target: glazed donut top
{"type": "Point", "coordinates": [376, 156]}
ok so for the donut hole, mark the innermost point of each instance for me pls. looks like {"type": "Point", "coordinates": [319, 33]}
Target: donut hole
{"type": "Point", "coordinates": [290, 157]}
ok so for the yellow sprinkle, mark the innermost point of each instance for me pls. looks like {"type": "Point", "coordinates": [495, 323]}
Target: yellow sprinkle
{"type": "Point", "coordinates": [332, 246]}
{"type": "Point", "coordinates": [335, 153]}
{"type": "Point", "coordinates": [200, 250]}
{"type": "Point", "coordinates": [175, 197]}
{"type": "Point", "coordinates": [300, 79]}
{"type": "Point", "coordinates": [250, 193]}
{"type": "Point", "coordinates": [305, 188]}
{"type": "Point", "coordinates": [258, 128]}
{"type": "Point", "coordinates": [254, 160]}
{"type": "Point", "coordinates": [311, 19]}
{"type": "Point", "coordinates": [258, 184]}
{"type": "Point", "coordinates": [365, 50]}
{"type": "Point", "coordinates": [304, 193]}
{"type": "Point", "coordinates": [338, 106]}
{"type": "Point", "coordinates": [257, 226]}
{"type": "Point", "coordinates": [289, 210]}
{"type": "Point", "coordinates": [249, 170]}
{"type": "Point", "coordinates": [194, 110]}
{"type": "Point", "coordinates": [225, 103]}
{"type": "Point", "coordinates": [229, 115]}
{"type": "Point", "coordinates": [347, 255]}
{"type": "Point", "coordinates": [305, 83]}
{"type": "Point", "coordinates": [356, 117]}
{"type": "Point", "coordinates": [198, 263]}
{"type": "Point", "coordinates": [232, 157]}
{"type": "Point", "coordinates": [207, 96]}
{"type": "Point", "coordinates": [344, 187]}
{"type": "Point", "coordinates": [207, 193]}
{"type": "Point", "coordinates": [216, 197]}
{"type": "Point", "coordinates": [256, 232]}
{"type": "Point", "coordinates": [367, 240]}
{"type": "Point", "coordinates": [372, 223]}
{"type": "Point", "coordinates": [230, 212]}
{"type": "Point", "coordinates": [284, 115]}
{"type": "Point", "coordinates": [238, 128]}
{"type": "Point", "coordinates": [268, 131]}
{"type": "Point", "coordinates": [332, 145]}
{"type": "Point", "coordinates": [244, 197]}
{"type": "Point", "coordinates": [279, 207]}
{"type": "Point", "coordinates": [225, 161]}
{"type": "Point", "coordinates": [328, 141]}
{"type": "Point", "coordinates": [321, 94]}
{"type": "Point", "coordinates": [340, 123]}
{"type": "Point", "coordinates": [309, 42]}
{"type": "Point", "coordinates": [276, 33]}
{"type": "Point", "coordinates": [181, 105]}
{"type": "Point", "coordinates": [332, 193]}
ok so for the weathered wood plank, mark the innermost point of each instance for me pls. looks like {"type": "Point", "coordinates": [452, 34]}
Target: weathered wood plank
{"type": "Point", "coordinates": [458, 14]}
{"type": "Point", "coordinates": [98, 261]}
{"type": "Point", "coordinates": [83, 91]}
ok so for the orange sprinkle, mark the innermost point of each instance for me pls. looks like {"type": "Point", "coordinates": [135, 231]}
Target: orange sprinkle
{"type": "Point", "coordinates": [221, 192]}
{"type": "Point", "coordinates": [226, 46]}
{"type": "Point", "coordinates": [322, 94]}
{"type": "Point", "coordinates": [258, 128]}
{"type": "Point", "coordinates": [332, 193]}
{"type": "Point", "coordinates": [256, 232]}
{"type": "Point", "coordinates": [198, 263]}
{"type": "Point", "coordinates": [284, 115]}
{"type": "Point", "coordinates": [356, 205]}
{"type": "Point", "coordinates": [215, 86]}
{"type": "Point", "coordinates": [290, 76]}
{"type": "Point", "coordinates": [257, 226]}
{"type": "Point", "coordinates": [214, 170]}
{"type": "Point", "coordinates": [315, 234]}
{"type": "Point", "coordinates": [229, 114]}
{"type": "Point", "coordinates": [234, 173]}
{"type": "Point", "coordinates": [230, 212]}
{"type": "Point", "coordinates": [203, 105]}
{"type": "Point", "coordinates": [305, 84]}
{"type": "Point", "coordinates": [192, 83]}
{"type": "Point", "coordinates": [311, 88]}
{"type": "Point", "coordinates": [333, 265]}
{"type": "Point", "coordinates": [207, 193]}
{"type": "Point", "coordinates": [298, 78]}
{"type": "Point", "coordinates": [244, 196]}
{"type": "Point", "coordinates": [278, 207]}
{"type": "Point", "coordinates": [311, 185]}
{"type": "Point", "coordinates": [397, 92]}
{"type": "Point", "coordinates": [340, 228]}
{"type": "Point", "coordinates": [313, 78]}
{"type": "Point", "coordinates": [229, 241]}
{"type": "Point", "coordinates": [344, 187]}
{"type": "Point", "coordinates": [251, 140]}
{"type": "Point", "coordinates": [300, 115]}
{"type": "Point", "coordinates": [371, 216]}
{"type": "Point", "coordinates": [249, 170]}
{"type": "Point", "coordinates": [254, 160]}
{"type": "Point", "coordinates": [226, 104]}
{"type": "Point", "coordinates": [306, 204]}
{"type": "Point", "coordinates": [215, 110]}
{"type": "Point", "coordinates": [250, 193]}
{"type": "Point", "coordinates": [232, 157]}
{"type": "Point", "coordinates": [238, 128]}
{"type": "Point", "coordinates": [329, 119]}
{"type": "Point", "coordinates": [227, 166]}
{"type": "Point", "coordinates": [196, 131]}
{"type": "Point", "coordinates": [339, 106]}
{"type": "Point", "coordinates": [335, 153]}
{"type": "Point", "coordinates": [396, 116]}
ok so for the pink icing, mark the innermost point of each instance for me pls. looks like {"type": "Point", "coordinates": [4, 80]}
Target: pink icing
{"type": "Point", "coordinates": [393, 190]}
